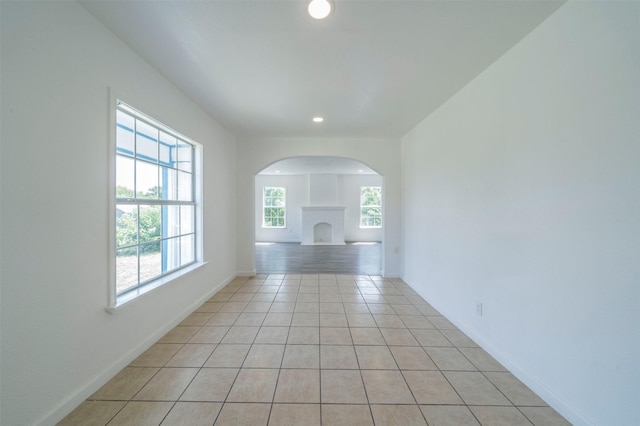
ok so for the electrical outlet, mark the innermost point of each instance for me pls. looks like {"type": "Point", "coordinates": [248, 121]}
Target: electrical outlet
{"type": "Point", "coordinates": [479, 308]}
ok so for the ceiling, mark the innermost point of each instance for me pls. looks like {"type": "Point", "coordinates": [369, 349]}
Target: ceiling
{"type": "Point", "coordinates": [371, 69]}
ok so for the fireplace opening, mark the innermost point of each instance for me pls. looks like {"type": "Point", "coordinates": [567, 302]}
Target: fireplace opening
{"type": "Point", "coordinates": [322, 233]}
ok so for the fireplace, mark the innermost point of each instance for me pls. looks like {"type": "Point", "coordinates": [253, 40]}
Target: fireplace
{"type": "Point", "coordinates": [323, 225]}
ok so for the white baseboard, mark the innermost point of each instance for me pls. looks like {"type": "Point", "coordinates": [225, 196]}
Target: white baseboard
{"type": "Point", "coordinates": [72, 401]}
{"type": "Point", "coordinates": [566, 409]}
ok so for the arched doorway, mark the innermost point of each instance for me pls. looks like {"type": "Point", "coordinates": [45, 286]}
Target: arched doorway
{"type": "Point", "coordinates": [294, 196]}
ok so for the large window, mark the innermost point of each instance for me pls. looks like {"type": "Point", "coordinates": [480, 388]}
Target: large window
{"type": "Point", "coordinates": [155, 213]}
{"type": "Point", "coordinates": [273, 207]}
{"type": "Point", "coordinates": [370, 207]}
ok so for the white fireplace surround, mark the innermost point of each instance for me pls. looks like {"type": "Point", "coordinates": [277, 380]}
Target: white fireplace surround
{"type": "Point", "coordinates": [323, 225]}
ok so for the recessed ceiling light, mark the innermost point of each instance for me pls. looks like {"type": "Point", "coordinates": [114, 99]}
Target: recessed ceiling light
{"type": "Point", "coordinates": [319, 9]}
{"type": "Point", "coordinates": [318, 119]}
{"type": "Point", "coordinates": [277, 171]}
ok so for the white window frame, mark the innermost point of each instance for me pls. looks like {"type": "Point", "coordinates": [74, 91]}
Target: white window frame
{"type": "Point", "coordinates": [362, 218]}
{"type": "Point", "coordinates": [265, 207]}
{"type": "Point", "coordinates": [117, 299]}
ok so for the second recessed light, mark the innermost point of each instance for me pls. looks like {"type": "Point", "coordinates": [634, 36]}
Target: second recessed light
{"type": "Point", "coordinates": [318, 119]}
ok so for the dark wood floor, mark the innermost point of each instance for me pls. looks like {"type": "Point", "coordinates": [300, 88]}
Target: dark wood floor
{"type": "Point", "coordinates": [353, 258]}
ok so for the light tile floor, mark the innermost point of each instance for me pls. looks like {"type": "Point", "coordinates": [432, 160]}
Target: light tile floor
{"type": "Point", "coordinates": [312, 349]}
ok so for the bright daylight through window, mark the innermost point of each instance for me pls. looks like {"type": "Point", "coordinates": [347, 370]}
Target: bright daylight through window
{"type": "Point", "coordinates": [371, 207]}
{"type": "Point", "coordinates": [273, 203]}
{"type": "Point", "coordinates": [155, 200]}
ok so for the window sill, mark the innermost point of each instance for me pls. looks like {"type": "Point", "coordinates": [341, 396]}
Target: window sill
{"type": "Point", "coordinates": [135, 294]}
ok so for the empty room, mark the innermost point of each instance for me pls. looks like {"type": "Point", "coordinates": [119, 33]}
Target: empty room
{"type": "Point", "coordinates": [327, 212]}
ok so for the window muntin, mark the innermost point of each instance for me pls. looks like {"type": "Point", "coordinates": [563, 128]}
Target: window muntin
{"type": "Point", "coordinates": [274, 207]}
{"type": "Point", "coordinates": [370, 207]}
{"type": "Point", "coordinates": [155, 200]}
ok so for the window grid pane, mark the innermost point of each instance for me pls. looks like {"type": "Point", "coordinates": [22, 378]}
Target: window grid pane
{"type": "Point", "coordinates": [126, 269]}
{"type": "Point", "coordinates": [125, 177]}
{"type": "Point", "coordinates": [155, 211]}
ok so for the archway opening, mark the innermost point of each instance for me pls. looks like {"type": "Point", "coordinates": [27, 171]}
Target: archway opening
{"type": "Point", "coordinates": [311, 217]}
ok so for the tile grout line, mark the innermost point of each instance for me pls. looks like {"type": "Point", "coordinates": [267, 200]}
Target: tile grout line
{"type": "Point", "coordinates": [395, 307]}
{"type": "Point", "coordinates": [224, 402]}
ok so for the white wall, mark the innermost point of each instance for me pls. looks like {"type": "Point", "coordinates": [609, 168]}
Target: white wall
{"type": "Point", "coordinates": [521, 192]}
{"type": "Point", "coordinates": [58, 342]}
{"type": "Point", "coordinates": [382, 155]}
{"type": "Point", "coordinates": [299, 193]}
